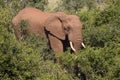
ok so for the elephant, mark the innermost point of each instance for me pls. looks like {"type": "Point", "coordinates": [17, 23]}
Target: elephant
{"type": "Point", "coordinates": [62, 30]}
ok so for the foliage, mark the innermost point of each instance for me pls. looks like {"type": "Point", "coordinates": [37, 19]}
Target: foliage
{"type": "Point", "coordinates": [92, 64]}
{"type": "Point", "coordinates": [110, 15]}
{"type": "Point", "coordinates": [32, 59]}
{"type": "Point", "coordinates": [76, 5]}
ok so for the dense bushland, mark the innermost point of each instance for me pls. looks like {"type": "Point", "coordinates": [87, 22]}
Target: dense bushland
{"type": "Point", "coordinates": [31, 59]}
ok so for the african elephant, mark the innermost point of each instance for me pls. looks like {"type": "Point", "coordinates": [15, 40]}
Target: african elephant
{"type": "Point", "coordinates": [62, 30]}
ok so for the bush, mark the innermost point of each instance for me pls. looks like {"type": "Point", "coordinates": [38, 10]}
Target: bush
{"type": "Point", "coordinates": [32, 59]}
{"type": "Point", "coordinates": [98, 36]}
{"type": "Point", "coordinates": [93, 63]}
{"type": "Point", "coordinates": [110, 15]}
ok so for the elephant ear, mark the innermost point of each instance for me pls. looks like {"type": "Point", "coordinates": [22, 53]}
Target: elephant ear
{"type": "Point", "coordinates": [53, 25]}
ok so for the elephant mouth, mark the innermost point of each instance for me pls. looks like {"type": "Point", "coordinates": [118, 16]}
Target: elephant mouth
{"type": "Point", "coordinates": [72, 46]}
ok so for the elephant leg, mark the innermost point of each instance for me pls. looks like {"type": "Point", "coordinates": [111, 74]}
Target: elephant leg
{"type": "Point", "coordinates": [55, 44]}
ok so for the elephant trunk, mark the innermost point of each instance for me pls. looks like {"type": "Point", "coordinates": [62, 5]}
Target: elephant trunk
{"type": "Point", "coordinates": [72, 47]}
{"type": "Point", "coordinates": [76, 41]}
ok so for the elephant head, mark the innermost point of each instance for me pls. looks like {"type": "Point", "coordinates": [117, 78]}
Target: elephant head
{"type": "Point", "coordinates": [65, 29]}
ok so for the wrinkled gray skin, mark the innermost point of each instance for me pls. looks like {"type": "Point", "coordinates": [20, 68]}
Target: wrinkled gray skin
{"type": "Point", "coordinates": [59, 28]}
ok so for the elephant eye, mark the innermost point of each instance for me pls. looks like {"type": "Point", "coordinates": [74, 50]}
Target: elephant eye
{"type": "Point", "coordinates": [67, 28]}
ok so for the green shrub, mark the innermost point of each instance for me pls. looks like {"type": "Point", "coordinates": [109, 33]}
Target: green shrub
{"type": "Point", "coordinates": [93, 63]}
{"type": "Point", "coordinates": [109, 15]}
{"type": "Point", "coordinates": [32, 59]}
{"type": "Point", "coordinates": [98, 36]}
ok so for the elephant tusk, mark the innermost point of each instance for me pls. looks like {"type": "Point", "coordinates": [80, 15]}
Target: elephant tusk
{"type": "Point", "coordinates": [71, 45]}
{"type": "Point", "coordinates": [83, 45]}
{"type": "Point", "coordinates": [21, 38]}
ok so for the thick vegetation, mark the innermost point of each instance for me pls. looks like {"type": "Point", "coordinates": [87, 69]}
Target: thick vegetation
{"type": "Point", "coordinates": [32, 59]}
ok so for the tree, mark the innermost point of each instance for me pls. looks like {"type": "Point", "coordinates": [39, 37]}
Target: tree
{"type": "Point", "coordinates": [76, 5]}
